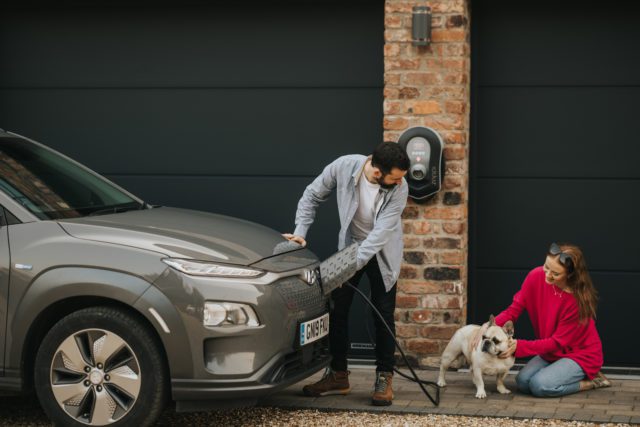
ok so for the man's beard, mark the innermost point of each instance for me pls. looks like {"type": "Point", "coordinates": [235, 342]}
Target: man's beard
{"type": "Point", "coordinates": [382, 184]}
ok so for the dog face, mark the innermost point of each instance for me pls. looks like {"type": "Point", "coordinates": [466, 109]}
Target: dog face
{"type": "Point", "coordinates": [496, 339]}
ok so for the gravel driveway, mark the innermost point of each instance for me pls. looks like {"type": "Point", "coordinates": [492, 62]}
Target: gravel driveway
{"type": "Point", "coordinates": [309, 418]}
{"type": "Point", "coordinates": [24, 411]}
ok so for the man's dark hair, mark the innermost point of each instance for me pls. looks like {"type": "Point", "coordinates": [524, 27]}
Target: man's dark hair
{"type": "Point", "coordinates": [389, 155]}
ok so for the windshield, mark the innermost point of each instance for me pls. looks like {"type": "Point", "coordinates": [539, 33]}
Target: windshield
{"type": "Point", "coordinates": [51, 186]}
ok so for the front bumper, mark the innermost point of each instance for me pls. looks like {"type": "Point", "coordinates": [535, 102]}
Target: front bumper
{"type": "Point", "coordinates": [242, 362]}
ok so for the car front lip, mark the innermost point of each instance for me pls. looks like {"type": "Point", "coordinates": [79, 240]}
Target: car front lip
{"type": "Point", "coordinates": [260, 384]}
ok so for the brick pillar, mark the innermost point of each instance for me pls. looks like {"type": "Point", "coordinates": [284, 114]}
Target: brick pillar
{"type": "Point", "coordinates": [429, 86]}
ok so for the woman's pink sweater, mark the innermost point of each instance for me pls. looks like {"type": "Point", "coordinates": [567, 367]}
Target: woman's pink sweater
{"type": "Point", "coordinates": [554, 315]}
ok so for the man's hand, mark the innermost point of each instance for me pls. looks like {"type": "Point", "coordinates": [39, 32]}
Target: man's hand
{"type": "Point", "coordinates": [510, 351]}
{"type": "Point", "coordinates": [299, 240]}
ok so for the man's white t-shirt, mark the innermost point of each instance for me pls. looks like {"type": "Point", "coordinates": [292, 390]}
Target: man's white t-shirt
{"type": "Point", "coordinates": [363, 220]}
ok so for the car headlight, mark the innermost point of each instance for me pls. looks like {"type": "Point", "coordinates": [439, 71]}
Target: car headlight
{"type": "Point", "coordinates": [229, 314]}
{"type": "Point", "coordinates": [203, 268]}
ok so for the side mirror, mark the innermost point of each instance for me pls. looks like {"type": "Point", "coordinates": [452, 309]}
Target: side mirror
{"type": "Point", "coordinates": [424, 147]}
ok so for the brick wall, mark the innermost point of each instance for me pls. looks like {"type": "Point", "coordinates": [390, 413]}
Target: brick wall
{"type": "Point", "coordinates": [429, 86]}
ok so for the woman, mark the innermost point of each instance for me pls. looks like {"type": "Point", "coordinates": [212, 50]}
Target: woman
{"type": "Point", "coordinates": [561, 302]}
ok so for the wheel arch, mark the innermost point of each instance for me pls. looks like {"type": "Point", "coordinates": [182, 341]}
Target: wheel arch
{"type": "Point", "coordinates": [63, 291]}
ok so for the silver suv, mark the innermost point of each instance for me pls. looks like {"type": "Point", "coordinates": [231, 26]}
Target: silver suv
{"type": "Point", "coordinates": [109, 307]}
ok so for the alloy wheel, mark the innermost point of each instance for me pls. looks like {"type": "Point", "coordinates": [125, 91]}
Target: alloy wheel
{"type": "Point", "coordinates": [95, 377]}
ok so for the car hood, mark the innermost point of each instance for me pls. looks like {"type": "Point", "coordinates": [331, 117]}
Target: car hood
{"type": "Point", "coordinates": [185, 233]}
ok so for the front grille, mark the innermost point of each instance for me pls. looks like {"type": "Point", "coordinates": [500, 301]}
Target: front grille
{"type": "Point", "coordinates": [303, 300]}
{"type": "Point", "coordinates": [304, 358]}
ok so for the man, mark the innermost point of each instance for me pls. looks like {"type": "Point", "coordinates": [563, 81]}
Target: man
{"type": "Point", "coordinates": [371, 194]}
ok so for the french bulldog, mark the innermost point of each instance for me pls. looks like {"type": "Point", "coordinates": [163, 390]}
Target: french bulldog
{"type": "Point", "coordinates": [483, 357]}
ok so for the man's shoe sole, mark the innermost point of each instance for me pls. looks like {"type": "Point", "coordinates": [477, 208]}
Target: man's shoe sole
{"type": "Point", "coordinates": [343, 391]}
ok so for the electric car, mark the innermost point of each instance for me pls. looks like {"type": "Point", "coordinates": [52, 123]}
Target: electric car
{"type": "Point", "coordinates": [109, 307]}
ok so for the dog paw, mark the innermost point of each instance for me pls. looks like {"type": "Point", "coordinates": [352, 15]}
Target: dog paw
{"type": "Point", "coordinates": [442, 383]}
{"type": "Point", "coordinates": [504, 390]}
{"type": "Point", "coordinates": [481, 394]}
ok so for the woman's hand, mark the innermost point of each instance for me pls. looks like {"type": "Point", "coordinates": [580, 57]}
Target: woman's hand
{"type": "Point", "coordinates": [510, 351]}
{"type": "Point", "coordinates": [298, 239]}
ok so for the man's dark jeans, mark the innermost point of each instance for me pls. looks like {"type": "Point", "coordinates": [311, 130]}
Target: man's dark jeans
{"type": "Point", "coordinates": [384, 301]}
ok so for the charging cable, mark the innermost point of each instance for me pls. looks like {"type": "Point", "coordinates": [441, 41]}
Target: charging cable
{"type": "Point", "coordinates": [336, 271]}
{"type": "Point", "coordinates": [422, 383]}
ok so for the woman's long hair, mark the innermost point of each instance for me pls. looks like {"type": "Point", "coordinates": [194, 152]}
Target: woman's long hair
{"type": "Point", "coordinates": [579, 281]}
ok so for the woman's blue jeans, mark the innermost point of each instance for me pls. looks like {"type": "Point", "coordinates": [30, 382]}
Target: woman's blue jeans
{"type": "Point", "coordinates": [543, 379]}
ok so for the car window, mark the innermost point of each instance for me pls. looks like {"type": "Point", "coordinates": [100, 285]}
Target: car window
{"type": "Point", "coordinates": [9, 218]}
{"type": "Point", "coordinates": [51, 186]}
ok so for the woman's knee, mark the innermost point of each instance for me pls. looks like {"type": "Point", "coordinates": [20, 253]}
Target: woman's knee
{"type": "Point", "coordinates": [542, 387]}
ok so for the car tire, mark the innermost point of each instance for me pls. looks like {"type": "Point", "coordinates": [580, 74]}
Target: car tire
{"type": "Point", "coordinates": [128, 389]}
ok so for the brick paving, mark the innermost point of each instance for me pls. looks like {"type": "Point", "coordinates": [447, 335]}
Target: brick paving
{"type": "Point", "coordinates": [617, 404]}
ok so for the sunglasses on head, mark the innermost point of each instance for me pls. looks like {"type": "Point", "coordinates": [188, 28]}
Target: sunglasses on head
{"type": "Point", "coordinates": [564, 258]}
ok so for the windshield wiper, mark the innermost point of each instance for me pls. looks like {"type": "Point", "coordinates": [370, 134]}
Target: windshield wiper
{"type": "Point", "coordinates": [118, 209]}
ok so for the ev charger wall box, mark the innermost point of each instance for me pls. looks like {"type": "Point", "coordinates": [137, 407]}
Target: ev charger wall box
{"type": "Point", "coordinates": [424, 147]}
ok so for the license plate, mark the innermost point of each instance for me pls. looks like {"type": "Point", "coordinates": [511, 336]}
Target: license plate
{"type": "Point", "coordinates": [314, 329]}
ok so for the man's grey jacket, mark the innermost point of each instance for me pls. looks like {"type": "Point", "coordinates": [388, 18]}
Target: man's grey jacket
{"type": "Point", "coordinates": [385, 239]}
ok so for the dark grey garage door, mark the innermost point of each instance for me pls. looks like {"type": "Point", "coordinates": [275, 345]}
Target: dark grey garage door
{"type": "Point", "coordinates": [231, 108]}
{"type": "Point", "coordinates": [555, 154]}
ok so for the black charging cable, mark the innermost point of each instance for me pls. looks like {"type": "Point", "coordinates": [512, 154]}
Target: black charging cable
{"type": "Point", "coordinates": [422, 383]}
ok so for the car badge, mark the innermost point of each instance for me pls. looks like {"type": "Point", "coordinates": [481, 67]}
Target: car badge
{"type": "Point", "coordinates": [311, 276]}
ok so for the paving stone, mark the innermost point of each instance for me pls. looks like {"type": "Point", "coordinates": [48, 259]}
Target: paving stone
{"type": "Point", "coordinates": [545, 408]}
{"type": "Point", "coordinates": [486, 412]}
{"type": "Point", "coordinates": [624, 400]}
{"type": "Point", "coordinates": [601, 418]}
{"type": "Point", "coordinates": [480, 405]}
{"type": "Point", "coordinates": [625, 413]}
{"type": "Point", "coordinates": [582, 417]}
{"type": "Point", "coordinates": [520, 408]}
{"type": "Point", "coordinates": [449, 404]}
{"type": "Point", "coordinates": [415, 404]}
{"type": "Point", "coordinates": [431, 410]}
{"type": "Point", "coordinates": [548, 400]}
{"type": "Point", "coordinates": [620, 419]}
{"type": "Point", "coordinates": [609, 407]}
{"type": "Point", "coordinates": [564, 415]}
{"type": "Point", "coordinates": [566, 405]}
{"type": "Point", "coordinates": [573, 398]}
{"type": "Point", "coordinates": [506, 413]}
{"type": "Point", "coordinates": [500, 397]}
{"type": "Point", "coordinates": [467, 411]}
{"type": "Point", "coordinates": [524, 414]}
{"type": "Point", "coordinates": [597, 402]}
{"type": "Point", "coordinates": [635, 419]}
{"type": "Point", "coordinates": [544, 415]}
{"type": "Point", "coordinates": [465, 391]}
{"type": "Point", "coordinates": [525, 398]}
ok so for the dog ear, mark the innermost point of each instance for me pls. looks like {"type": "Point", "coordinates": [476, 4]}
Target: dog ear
{"type": "Point", "coordinates": [508, 328]}
{"type": "Point", "coordinates": [492, 320]}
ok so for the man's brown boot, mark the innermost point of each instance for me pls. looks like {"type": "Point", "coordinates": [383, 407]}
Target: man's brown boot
{"type": "Point", "coordinates": [383, 391]}
{"type": "Point", "coordinates": [334, 382]}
